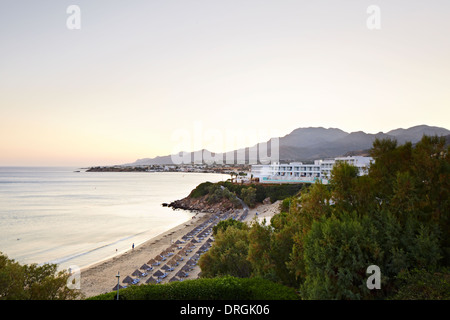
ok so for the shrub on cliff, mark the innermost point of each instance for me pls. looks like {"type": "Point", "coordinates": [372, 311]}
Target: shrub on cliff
{"type": "Point", "coordinates": [249, 196]}
{"type": "Point", "coordinates": [262, 191]}
{"type": "Point", "coordinates": [201, 190]}
{"type": "Point", "coordinates": [218, 194]}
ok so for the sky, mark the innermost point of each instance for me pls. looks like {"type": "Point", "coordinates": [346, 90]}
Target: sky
{"type": "Point", "coordinates": [149, 78]}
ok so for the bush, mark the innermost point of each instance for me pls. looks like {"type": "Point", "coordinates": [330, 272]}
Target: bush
{"type": "Point", "coordinates": [228, 255]}
{"type": "Point", "coordinates": [201, 190]}
{"type": "Point", "coordinates": [249, 196]}
{"type": "Point", "coordinates": [224, 288]}
{"type": "Point", "coordinates": [274, 192]}
{"type": "Point", "coordinates": [224, 224]}
{"type": "Point", "coordinates": [419, 284]}
{"type": "Point", "coordinates": [337, 254]}
{"type": "Point", "coordinates": [263, 289]}
{"type": "Point", "coordinates": [214, 193]}
{"type": "Point", "coordinates": [33, 282]}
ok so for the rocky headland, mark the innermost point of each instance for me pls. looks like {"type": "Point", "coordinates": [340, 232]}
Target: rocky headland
{"type": "Point", "coordinates": [201, 204]}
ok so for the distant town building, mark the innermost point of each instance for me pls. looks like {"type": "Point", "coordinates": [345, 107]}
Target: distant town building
{"type": "Point", "coordinates": [298, 172]}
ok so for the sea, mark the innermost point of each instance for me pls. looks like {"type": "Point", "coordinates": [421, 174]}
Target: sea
{"type": "Point", "coordinates": [73, 218]}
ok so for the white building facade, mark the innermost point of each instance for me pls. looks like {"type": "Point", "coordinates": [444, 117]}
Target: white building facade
{"type": "Point", "coordinates": [298, 172]}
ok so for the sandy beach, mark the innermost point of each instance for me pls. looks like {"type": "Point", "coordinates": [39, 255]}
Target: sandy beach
{"type": "Point", "coordinates": [101, 277]}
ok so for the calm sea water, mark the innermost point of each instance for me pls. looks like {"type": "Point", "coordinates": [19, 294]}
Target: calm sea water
{"type": "Point", "coordinates": [72, 218]}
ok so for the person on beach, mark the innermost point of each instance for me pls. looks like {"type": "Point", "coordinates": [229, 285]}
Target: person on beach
{"type": "Point", "coordinates": [132, 247]}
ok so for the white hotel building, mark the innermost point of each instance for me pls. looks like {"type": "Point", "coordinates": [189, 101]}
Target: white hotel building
{"type": "Point", "coordinates": [297, 172]}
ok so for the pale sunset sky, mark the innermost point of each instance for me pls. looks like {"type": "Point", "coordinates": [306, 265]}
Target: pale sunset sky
{"type": "Point", "coordinates": [137, 75]}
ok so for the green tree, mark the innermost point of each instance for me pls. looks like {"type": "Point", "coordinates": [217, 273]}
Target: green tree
{"type": "Point", "coordinates": [325, 237]}
{"type": "Point", "coordinates": [228, 255]}
{"type": "Point", "coordinates": [249, 196]}
{"type": "Point", "coordinates": [337, 254]}
{"type": "Point", "coordinates": [225, 224]}
{"type": "Point", "coordinates": [33, 282]}
{"type": "Point", "coordinates": [312, 205]}
{"type": "Point", "coordinates": [260, 251]}
{"type": "Point", "coordinates": [389, 160]}
{"type": "Point", "coordinates": [343, 176]}
{"type": "Point", "coordinates": [420, 284]}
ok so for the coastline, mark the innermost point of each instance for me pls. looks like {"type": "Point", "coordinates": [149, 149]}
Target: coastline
{"type": "Point", "coordinates": [101, 277]}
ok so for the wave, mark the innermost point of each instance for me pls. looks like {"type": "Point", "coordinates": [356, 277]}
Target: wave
{"type": "Point", "coordinates": [80, 254]}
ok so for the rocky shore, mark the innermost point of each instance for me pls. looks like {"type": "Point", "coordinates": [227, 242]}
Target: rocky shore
{"type": "Point", "coordinates": [201, 204]}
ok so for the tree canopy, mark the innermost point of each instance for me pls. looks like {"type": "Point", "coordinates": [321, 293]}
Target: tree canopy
{"type": "Point", "coordinates": [325, 238]}
{"type": "Point", "coordinates": [33, 282]}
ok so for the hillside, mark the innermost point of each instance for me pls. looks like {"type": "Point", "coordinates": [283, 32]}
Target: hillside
{"type": "Point", "coordinates": [307, 144]}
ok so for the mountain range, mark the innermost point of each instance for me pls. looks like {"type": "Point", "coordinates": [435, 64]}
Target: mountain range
{"type": "Point", "coordinates": [307, 144]}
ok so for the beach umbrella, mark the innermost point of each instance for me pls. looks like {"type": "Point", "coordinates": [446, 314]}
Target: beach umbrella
{"type": "Point", "coordinates": [144, 267]}
{"type": "Point", "coordinates": [172, 262]}
{"type": "Point", "coordinates": [174, 279]}
{"type": "Point", "coordinates": [191, 262]}
{"type": "Point", "coordinates": [136, 273]}
{"type": "Point", "coordinates": [151, 280]}
{"type": "Point", "coordinates": [186, 268]}
{"type": "Point", "coordinates": [128, 280]}
{"type": "Point", "coordinates": [158, 273]}
{"type": "Point", "coordinates": [115, 288]}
